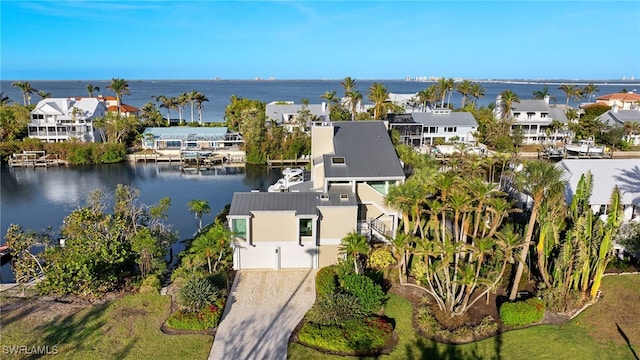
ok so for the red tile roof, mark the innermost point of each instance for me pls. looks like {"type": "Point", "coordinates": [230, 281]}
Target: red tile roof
{"type": "Point", "coordinates": [123, 108]}
{"type": "Point", "coordinates": [624, 97]}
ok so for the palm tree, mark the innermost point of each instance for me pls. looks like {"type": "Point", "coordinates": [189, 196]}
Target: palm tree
{"type": "Point", "coordinates": [199, 208]}
{"type": "Point", "coordinates": [477, 91]}
{"type": "Point", "coordinates": [354, 246]}
{"type": "Point", "coordinates": [200, 98]}
{"type": "Point", "coordinates": [119, 87]}
{"type": "Point", "coordinates": [577, 95]}
{"type": "Point", "coordinates": [331, 99]}
{"type": "Point", "coordinates": [354, 97]}
{"type": "Point", "coordinates": [348, 84]}
{"type": "Point", "coordinates": [379, 96]}
{"type": "Point", "coordinates": [568, 90]}
{"type": "Point", "coordinates": [540, 180]}
{"type": "Point", "coordinates": [191, 98]}
{"type": "Point", "coordinates": [589, 90]}
{"type": "Point", "coordinates": [181, 101]}
{"type": "Point", "coordinates": [26, 89]}
{"type": "Point", "coordinates": [464, 88]}
{"type": "Point", "coordinates": [168, 103]}
{"type": "Point", "coordinates": [215, 240]}
{"type": "Point", "coordinates": [508, 98]}
{"type": "Point", "coordinates": [541, 94]}
{"type": "Point", "coordinates": [4, 100]}
{"type": "Point", "coordinates": [43, 94]}
{"type": "Point", "coordinates": [91, 89]}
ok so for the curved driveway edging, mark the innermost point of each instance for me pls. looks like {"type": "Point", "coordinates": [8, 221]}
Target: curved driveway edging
{"type": "Point", "coordinates": [263, 309]}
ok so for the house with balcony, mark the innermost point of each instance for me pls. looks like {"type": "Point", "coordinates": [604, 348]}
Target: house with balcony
{"type": "Point", "coordinates": [618, 118]}
{"type": "Point", "coordinates": [290, 115]}
{"type": "Point", "coordinates": [353, 165]}
{"type": "Point", "coordinates": [63, 119]}
{"type": "Point", "coordinates": [534, 119]}
{"type": "Point", "coordinates": [435, 126]}
{"type": "Point", "coordinates": [111, 104]}
{"type": "Point", "coordinates": [176, 139]}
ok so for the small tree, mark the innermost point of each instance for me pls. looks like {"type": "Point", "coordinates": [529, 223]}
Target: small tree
{"type": "Point", "coordinates": [353, 246]}
{"type": "Point", "coordinates": [199, 208]}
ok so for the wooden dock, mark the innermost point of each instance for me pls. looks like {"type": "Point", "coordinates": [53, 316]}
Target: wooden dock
{"type": "Point", "coordinates": [33, 159]}
{"type": "Point", "coordinates": [305, 159]}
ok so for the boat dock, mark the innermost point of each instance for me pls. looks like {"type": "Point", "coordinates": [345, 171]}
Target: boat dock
{"type": "Point", "coordinates": [303, 160]}
{"type": "Point", "coordinates": [192, 160]}
{"type": "Point", "coordinates": [34, 159]}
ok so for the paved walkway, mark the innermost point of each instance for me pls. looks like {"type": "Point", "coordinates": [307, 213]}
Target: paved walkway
{"type": "Point", "coordinates": [263, 309]}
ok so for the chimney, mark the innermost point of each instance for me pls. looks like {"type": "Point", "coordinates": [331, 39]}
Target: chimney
{"type": "Point", "coordinates": [324, 106]}
{"type": "Point", "coordinates": [614, 108]}
{"type": "Point", "coordinates": [546, 99]}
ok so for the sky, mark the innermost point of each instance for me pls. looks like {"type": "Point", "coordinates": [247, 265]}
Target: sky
{"type": "Point", "coordinates": [100, 40]}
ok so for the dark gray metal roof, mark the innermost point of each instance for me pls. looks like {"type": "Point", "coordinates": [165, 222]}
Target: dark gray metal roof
{"type": "Point", "coordinates": [558, 114]}
{"type": "Point", "coordinates": [530, 105]}
{"type": "Point", "coordinates": [303, 203]}
{"type": "Point", "coordinates": [367, 151]}
{"type": "Point", "coordinates": [620, 117]}
{"type": "Point", "coordinates": [450, 119]}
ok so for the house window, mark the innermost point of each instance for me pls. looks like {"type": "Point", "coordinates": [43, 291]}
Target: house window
{"type": "Point", "coordinates": [239, 228]}
{"type": "Point", "coordinates": [450, 129]}
{"type": "Point", "coordinates": [433, 130]}
{"type": "Point", "coordinates": [516, 114]}
{"type": "Point", "coordinates": [306, 227]}
{"type": "Point", "coordinates": [530, 115]}
{"type": "Point", "coordinates": [543, 115]}
{"type": "Point", "coordinates": [174, 144]}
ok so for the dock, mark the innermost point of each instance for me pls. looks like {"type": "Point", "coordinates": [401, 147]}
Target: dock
{"type": "Point", "coordinates": [33, 159]}
{"type": "Point", "coordinates": [303, 160]}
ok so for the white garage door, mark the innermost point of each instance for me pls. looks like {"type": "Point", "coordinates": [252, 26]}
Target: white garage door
{"type": "Point", "coordinates": [262, 257]}
{"type": "Point", "coordinates": [300, 257]}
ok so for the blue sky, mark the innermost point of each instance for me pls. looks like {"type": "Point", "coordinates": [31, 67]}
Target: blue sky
{"type": "Point", "coordinates": [91, 40]}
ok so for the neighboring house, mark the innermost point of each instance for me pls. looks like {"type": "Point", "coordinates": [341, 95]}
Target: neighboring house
{"type": "Point", "coordinates": [434, 127]}
{"type": "Point", "coordinates": [624, 101]}
{"type": "Point", "coordinates": [353, 165]}
{"type": "Point", "coordinates": [62, 119]}
{"type": "Point", "coordinates": [177, 138]}
{"type": "Point", "coordinates": [534, 118]}
{"type": "Point", "coordinates": [615, 117]}
{"type": "Point", "coordinates": [607, 174]}
{"type": "Point", "coordinates": [286, 113]}
{"type": "Point", "coordinates": [111, 104]}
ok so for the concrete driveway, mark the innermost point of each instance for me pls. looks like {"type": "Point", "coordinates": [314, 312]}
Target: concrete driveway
{"type": "Point", "coordinates": [263, 309]}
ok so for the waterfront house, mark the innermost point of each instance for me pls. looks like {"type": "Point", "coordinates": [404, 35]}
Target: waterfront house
{"type": "Point", "coordinates": [63, 119]}
{"type": "Point", "coordinates": [287, 113]}
{"type": "Point", "coordinates": [618, 118]}
{"type": "Point", "coordinates": [434, 127]}
{"type": "Point", "coordinates": [111, 104]}
{"type": "Point", "coordinates": [353, 165]}
{"type": "Point", "coordinates": [534, 118]}
{"type": "Point", "coordinates": [624, 101]}
{"type": "Point", "coordinates": [173, 140]}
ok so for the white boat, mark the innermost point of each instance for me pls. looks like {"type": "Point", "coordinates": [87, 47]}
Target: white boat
{"type": "Point", "coordinates": [584, 147]}
{"type": "Point", "coordinates": [289, 177]}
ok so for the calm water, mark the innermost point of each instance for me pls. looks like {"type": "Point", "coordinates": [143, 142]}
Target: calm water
{"type": "Point", "coordinates": [39, 198]}
{"type": "Point", "coordinates": [219, 91]}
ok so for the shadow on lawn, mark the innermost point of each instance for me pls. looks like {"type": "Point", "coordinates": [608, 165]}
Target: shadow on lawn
{"type": "Point", "coordinates": [449, 351]}
{"type": "Point", "coordinates": [626, 339]}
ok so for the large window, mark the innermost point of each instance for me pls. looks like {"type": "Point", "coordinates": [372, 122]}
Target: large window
{"type": "Point", "coordinates": [239, 228]}
{"type": "Point", "coordinates": [306, 227]}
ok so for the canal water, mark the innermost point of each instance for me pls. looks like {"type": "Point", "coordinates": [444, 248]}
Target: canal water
{"type": "Point", "coordinates": [40, 198]}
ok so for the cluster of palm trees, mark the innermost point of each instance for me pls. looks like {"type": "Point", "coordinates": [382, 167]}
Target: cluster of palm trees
{"type": "Point", "coordinates": [194, 98]}
{"type": "Point", "coordinates": [377, 94]}
{"type": "Point", "coordinates": [443, 89]}
{"type": "Point", "coordinates": [577, 93]}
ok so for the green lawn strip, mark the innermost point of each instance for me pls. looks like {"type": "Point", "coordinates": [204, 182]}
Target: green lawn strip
{"type": "Point", "coordinates": [126, 328]}
{"type": "Point", "coordinates": [568, 341]}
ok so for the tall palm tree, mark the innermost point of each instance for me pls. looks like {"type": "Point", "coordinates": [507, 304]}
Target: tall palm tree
{"type": "Point", "coordinates": [26, 89]}
{"type": "Point", "coordinates": [477, 91]}
{"type": "Point", "coordinates": [4, 99]}
{"type": "Point", "coordinates": [331, 99]}
{"type": "Point", "coordinates": [120, 87]}
{"type": "Point", "coordinates": [379, 96]}
{"type": "Point", "coordinates": [181, 101]}
{"type": "Point", "coordinates": [569, 91]}
{"type": "Point", "coordinates": [508, 99]}
{"type": "Point", "coordinates": [540, 180]}
{"type": "Point", "coordinates": [199, 208]}
{"type": "Point", "coordinates": [43, 94]}
{"type": "Point", "coordinates": [349, 84]}
{"type": "Point", "coordinates": [464, 88]}
{"type": "Point", "coordinates": [589, 90]}
{"type": "Point", "coordinates": [91, 89]}
{"type": "Point", "coordinates": [168, 103]}
{"type": "Point", "coordinates": [191, 98]}
{"type": "Point", "coordinates": [354, 97]}
{"type": "Point", "coordinates": [200, 98]}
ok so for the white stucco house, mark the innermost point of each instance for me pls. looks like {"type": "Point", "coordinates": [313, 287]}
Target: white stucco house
{"type": "Point", "coordinates": [63, 119]}
{"type": "Point", "coordinates": [287, 113]}
{"type": "Point", "coordinates": [624, 101]}
{"type": "Point", "coordinates": [434, 126]}
{"type": "Point", "coordinates": [534, 117]}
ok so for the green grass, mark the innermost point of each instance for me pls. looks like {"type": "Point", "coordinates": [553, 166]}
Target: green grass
{"type": "Point", "coordinates": [125, 328]}
{"type": "Point", "coordinates": [568, 341]}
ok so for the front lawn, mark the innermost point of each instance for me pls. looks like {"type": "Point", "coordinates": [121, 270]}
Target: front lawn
{"type": "Point", "coordinates": [574, 340]}
{"type": "Point", "coordinates": [128, 327]}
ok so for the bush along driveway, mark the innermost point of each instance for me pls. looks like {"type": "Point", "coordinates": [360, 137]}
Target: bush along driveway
{"type": "Point", "coordinates": [262, 311]}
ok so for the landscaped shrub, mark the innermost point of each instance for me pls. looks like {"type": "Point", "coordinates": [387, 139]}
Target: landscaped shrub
{"type": "Point", "coordinates": [196, 294]}
{"type": "Point", "coordinates": [326, 282]}
{"type": "Point", "coordinates": [207, 318]}
{"type": "Point", "coordinates": [431, 328]}
{"type": "Point", "coordinates": [335, 309]}
{"type": "Point", "coordinates": [368, 293]}
{"type": "Point", "coordinates": [522, 312]}
{"type": "Point", "coordinates": [151, 284]}
{"type": "Point", "coordinates": [219, 280]}
{"type": "Point", "coordinates": [381, 258]}
{"type": "Point", "coordinates": [356, 336]}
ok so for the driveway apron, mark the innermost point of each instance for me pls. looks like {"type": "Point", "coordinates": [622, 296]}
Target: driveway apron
{"type": "Point", "coordinates": [262, 310]}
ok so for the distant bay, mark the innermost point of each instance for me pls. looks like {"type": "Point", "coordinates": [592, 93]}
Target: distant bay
{"type": "Point", "coordinates": [219, 91]}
